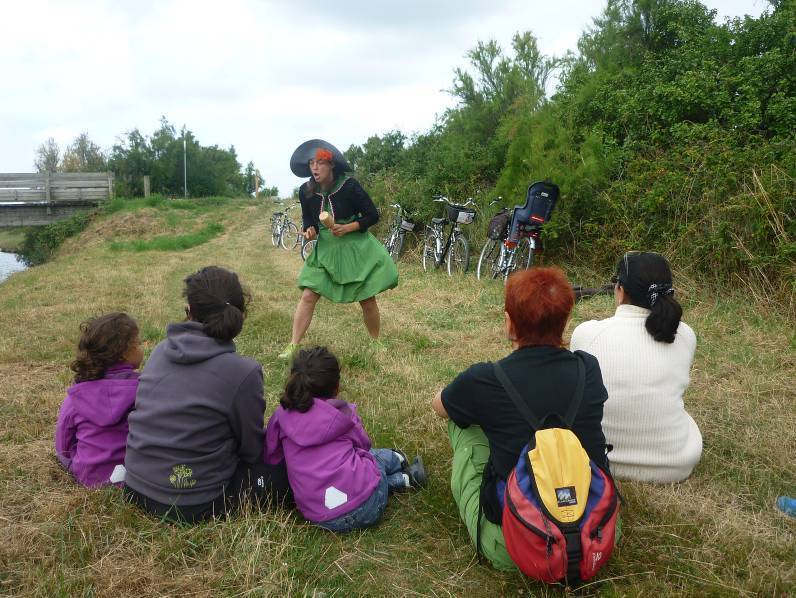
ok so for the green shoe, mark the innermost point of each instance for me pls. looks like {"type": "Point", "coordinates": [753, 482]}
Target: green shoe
{"type": "Point", "coordinates": [287, 354]}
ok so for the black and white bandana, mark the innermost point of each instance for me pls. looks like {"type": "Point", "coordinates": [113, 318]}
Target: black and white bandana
{"type": "Point", "coordinates": [655, 290]}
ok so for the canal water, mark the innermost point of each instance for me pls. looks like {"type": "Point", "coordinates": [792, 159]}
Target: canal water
{"type": "Point", "coordinates": [9, 263]}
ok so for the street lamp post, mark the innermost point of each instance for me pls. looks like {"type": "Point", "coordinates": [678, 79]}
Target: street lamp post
{"type": "Point", "coordinates": [184, 167]}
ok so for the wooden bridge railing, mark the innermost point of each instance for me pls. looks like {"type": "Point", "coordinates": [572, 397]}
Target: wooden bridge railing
{"type": "Point", "coordinates": [56, 188]}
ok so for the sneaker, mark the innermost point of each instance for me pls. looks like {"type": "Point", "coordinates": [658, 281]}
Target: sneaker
{"type": "Point", "coordinates": [787, 505]}
{"type": "Point", "coordinates": [417, 473]}
{"type": "Point", "coordinates": [404, 460]}
{"type": "Point", "coordinates": [287, 354]}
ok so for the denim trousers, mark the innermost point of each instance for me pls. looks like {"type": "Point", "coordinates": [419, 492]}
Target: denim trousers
{"type": "Point", "coordinates": [370, 512]}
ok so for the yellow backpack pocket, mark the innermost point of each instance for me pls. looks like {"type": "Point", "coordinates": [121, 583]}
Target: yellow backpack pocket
{"type": "Point", "coordinates": [561, 472]}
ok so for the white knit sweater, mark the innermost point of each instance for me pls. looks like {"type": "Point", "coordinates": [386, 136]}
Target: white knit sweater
{"type": "Point", "coordinates": [654, 438]}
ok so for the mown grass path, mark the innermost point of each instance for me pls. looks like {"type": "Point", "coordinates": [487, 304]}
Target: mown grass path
{"type": "Point", "coordinates": [717, 534]}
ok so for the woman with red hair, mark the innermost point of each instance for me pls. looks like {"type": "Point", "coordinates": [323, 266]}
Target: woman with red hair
{"type": "Point", "coordinates": [348, 264]}
{"type": "Point", "coordinates": [486, 429]}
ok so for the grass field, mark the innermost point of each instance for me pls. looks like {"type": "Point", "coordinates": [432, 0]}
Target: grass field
{"type": "Point", "coordinates": [715, 535]}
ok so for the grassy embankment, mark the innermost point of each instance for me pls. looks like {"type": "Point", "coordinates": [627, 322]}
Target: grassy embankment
{"type": "Point", "coordinates": [716, 534]}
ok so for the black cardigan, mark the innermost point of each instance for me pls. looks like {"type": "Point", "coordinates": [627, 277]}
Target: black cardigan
{"type": "Point", "coordinates": [349, 200]}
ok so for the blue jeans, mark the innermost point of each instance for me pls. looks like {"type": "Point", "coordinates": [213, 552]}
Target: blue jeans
{"type": "Point", "coordinates": [369, 513]}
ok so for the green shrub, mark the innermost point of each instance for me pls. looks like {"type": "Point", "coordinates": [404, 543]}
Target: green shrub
{"type": "Point", "coordinates": [41, 242]}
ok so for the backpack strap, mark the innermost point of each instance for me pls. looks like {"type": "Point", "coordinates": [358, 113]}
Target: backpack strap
{"type": "Point", "coordinates": [574, 405]}
{"type": "Point", "coordinates": [522, 406]}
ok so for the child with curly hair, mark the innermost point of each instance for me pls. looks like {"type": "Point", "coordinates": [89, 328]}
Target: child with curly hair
{"type": "Point", "coordinates": [91, 433]}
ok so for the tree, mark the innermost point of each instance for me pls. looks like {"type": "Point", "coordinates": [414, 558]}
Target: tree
{"type": "Point", "coordinates": [48, 156]}
{"type": "Point", "coordinates": [380, 153]}
{"type": "Point", "coordinates": [130, 160]}
{"type": "Point", "coordinates": [83, 155]}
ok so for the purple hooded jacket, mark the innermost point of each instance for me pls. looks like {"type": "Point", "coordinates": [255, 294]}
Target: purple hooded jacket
{"type": "Point", "coordinates": [91, 433]}
{"type": "Point", "coordinates": [327, 454]}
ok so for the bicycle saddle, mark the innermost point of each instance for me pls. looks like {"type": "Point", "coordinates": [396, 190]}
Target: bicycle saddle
{"type": "Point", "coordinates": [438, 220]}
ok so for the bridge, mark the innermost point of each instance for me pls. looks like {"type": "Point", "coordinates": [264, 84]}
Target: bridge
{"type": "Point", "coordinates": [34, 199]}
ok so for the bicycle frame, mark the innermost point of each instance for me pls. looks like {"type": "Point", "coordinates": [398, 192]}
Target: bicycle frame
{"type": "Point", "coordinates": [508, 251]}
{"type": "Point", "coordinates": [438, 230]}
{"type": "Point", "coordinates": [455, 231]}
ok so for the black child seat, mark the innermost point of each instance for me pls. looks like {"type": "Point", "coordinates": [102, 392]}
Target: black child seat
{"type": "Point", "coordinates": [539, 203]}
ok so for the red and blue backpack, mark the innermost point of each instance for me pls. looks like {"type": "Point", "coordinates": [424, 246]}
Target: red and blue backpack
{"type": "Point", "coordinates": [560, 508]}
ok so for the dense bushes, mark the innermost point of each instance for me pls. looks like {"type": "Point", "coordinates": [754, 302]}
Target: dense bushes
{"type": "Point", "coordinates": [668, 131]}
{"type": "Point", "coordinates": [41, 242]}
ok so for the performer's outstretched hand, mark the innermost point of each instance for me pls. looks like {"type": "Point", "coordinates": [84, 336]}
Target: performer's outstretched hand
{"type": "Point", "coordinates": [310, 233]}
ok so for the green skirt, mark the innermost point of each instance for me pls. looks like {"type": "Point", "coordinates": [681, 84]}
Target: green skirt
{"type": "Point", "coordinates": [350, 268]}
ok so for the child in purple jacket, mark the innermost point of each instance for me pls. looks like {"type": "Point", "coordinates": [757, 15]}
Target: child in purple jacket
{"type": "Point", "coordinates": [338, 481]}
{"type": "Point", "coordinates": [91, 433]}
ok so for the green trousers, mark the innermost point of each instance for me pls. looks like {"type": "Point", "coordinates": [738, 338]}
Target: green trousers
{"type": "Point", "coordinates": [470, 454]}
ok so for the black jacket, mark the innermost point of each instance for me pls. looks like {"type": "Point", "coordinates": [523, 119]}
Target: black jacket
{"type": "Point", "coordinates": [349, 201]}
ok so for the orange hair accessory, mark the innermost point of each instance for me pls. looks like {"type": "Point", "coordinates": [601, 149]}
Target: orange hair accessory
{"type": "Point", "coordinates": [324, 154]}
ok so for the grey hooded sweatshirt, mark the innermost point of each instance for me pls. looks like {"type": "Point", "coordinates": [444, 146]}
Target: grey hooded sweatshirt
{"type": "Point", "coordinates": [198, 411]}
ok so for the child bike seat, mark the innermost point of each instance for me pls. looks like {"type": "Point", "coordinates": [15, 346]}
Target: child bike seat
{"type": "Point", "coordinates": [539, 203]}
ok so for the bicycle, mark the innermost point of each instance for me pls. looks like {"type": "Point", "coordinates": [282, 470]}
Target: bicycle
{"type": "Point", "coordinates": [511, 245]}
{"type": "Point", "coordinates": [307, 247]}
{"type": "Point", "coordinates": [394, 242]}
{"type": "Point", "coordinates": [284, 231]}
{"type": "Point", "coordinates": [454, 249]}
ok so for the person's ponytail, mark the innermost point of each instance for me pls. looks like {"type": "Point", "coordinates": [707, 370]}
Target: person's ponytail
{"type": "Point", "coordinates": [225, 323]}
{"type": "Point", "coordinates": [297, 393]}
{"type": "Point", "coordinates": [664, 319]}
{"type": "Point", "coordinates": [217, 300]}
{"type": "Point", "coordinates": [646, 279]}
{"type": "Point", "coordinates": [315, 373]}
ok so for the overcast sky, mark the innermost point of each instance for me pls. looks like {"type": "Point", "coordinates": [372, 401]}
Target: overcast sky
{"type": "Point", "coordinates": [260, 75]}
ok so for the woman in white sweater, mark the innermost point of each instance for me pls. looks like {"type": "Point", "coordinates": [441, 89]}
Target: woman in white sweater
{"type": "Point", "coordinates": [645, 354]}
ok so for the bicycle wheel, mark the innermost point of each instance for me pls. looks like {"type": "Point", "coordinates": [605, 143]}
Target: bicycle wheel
{"type": "Point", "coordinates": [397, 245]}
{"type": "Point", "coordinates": [432, 250]}
{"type": "Point", "coordinates": [290, 236]}
{"type": "Point", "coordinates": [487, 261]}
{"type": "Point", "coordinates": [520, 258]}
{"type": "Point", "coordinates": [458, 256]}
{"type": "Point", "coordinates": [306, 248]}
{"type": "Point", "coordinates": [276, 233]}
{"type": "Point", "coordinates": [390, 243]}
{"type": "Point", "coordinates": [524, 256]}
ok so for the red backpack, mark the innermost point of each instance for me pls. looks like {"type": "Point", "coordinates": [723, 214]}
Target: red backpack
{"type": "Point", "coordinates": [560, 509]}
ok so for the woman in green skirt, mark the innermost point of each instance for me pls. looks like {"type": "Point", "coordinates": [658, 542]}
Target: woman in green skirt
{"type": "Point", "coordinates": [348, 263]}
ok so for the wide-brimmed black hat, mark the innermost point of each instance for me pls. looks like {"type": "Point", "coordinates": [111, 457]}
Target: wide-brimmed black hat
{"type": "Point", "coordinates": [299, 161]}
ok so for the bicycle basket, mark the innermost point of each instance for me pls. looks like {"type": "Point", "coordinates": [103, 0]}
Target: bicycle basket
{"type": "Point", "coordinates": [460, 214]}
{"type": "Point", "coordinates": [407, 225]}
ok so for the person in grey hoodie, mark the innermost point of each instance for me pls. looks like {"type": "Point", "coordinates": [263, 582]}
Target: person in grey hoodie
{"type": "Point", "coordinates": [195, 438]}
